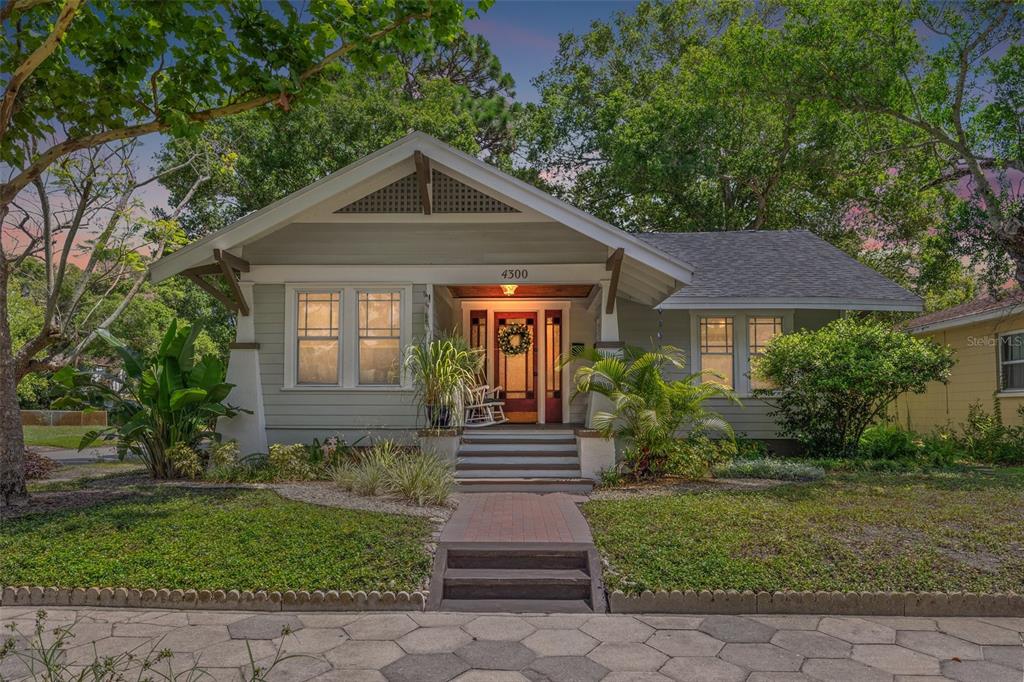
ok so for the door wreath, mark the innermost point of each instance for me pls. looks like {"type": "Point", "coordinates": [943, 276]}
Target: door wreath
{"type": "Point", "coordinates": [514, 339]}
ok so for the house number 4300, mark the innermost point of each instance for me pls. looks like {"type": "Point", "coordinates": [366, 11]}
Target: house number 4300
{"type": "Point", "coordinates": [515, 273]}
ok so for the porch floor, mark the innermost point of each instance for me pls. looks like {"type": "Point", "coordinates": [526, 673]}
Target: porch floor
{"type": "Point", "coordinates": [523, 427]}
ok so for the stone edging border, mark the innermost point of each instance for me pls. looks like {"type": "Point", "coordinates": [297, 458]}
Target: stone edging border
{"type": "Point", "coordinates": [826, 603]}
{"type": "Point", "coordinates": [229, 600]}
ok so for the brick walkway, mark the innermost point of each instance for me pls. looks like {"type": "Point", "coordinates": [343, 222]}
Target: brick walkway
{"type": "Point", "coordinates": [436, 647]}
{"type": "Point", "coordinates": [517, 518]}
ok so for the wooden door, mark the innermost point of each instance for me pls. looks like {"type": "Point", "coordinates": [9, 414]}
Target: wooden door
{"type": "Point", "coordinates": [517, 373]}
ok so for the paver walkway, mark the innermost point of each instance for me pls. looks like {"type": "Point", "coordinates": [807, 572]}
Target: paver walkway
{"type": "Point", "coordinates": [517, 518]}
{"type": "Point", "coordinates": [436, 647]}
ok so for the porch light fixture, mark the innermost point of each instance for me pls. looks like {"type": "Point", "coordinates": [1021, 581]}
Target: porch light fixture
{"type": "Point", "coordinates": [509, 289]}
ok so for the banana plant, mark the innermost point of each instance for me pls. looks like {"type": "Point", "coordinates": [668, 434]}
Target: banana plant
{"type": "Point", "coordinates": [159, 402]}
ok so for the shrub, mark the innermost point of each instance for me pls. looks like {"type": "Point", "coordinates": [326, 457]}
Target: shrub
{"type": "Point", "coordinates": [834, 382]}
{"type": "Point", "coordinates": [38, 467]}
{"type": "Point", "coordinates": [780, 469]}
{"type": "Point", "coordinates": [289, 462]}
{"type": "Point", "coordinates": [888, 441]}
{"type": "Point", "coordinates": [371, 475]}
{"type": "Point", "coordinates": [646, 409]}
{"type": "Point", "coordinates": [942, 449]}
{"type": "Point", "coordinates": [184, 461]}
{"type": "Point", "coordinates": [694, 456]}
{"type": "Point", "coordinates": [987, 439]}
{"type": "Point", "coordinates": [423, 478]}
{"type": "Point", "coordinates": [159, 402]}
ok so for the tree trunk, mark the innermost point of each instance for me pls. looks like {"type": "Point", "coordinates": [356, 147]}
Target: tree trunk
{"type": "Point", "coordinates": [12, 442]}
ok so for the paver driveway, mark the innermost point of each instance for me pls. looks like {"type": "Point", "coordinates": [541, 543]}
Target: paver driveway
{"type": "Point", "coordinates": [427, 647]}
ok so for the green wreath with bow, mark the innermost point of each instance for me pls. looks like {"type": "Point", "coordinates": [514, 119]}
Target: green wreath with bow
{"type": "Point", "coordinates": [514, 339]}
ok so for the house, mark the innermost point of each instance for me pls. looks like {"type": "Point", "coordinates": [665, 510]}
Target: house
{"type": "Point", "coordinates": [988, 337]}
{"type": "Point", "coordinates": [332, 282]}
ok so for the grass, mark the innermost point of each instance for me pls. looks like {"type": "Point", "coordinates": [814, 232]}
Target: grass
{"type": "Point", "coordinates": [219, 539]}
{"type": "Point", "coordinates": [950, 531]}
{"type": "Point", "coordinates": [67, 437]}
{"type": "Point", "coordinates": [779, 469]}
{"type": "Point", "coordinates": [79, 476]}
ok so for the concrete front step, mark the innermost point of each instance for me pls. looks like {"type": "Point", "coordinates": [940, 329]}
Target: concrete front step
{"type": "Point", "coordinates": [465, 474]}
{"type": "Point", "coordinates": [524, 462]}
{"type": "Point", "coordinates": [539, 436]}
{"type": "Point", "coordinates": [574, 485]}
{"type": "Point", "coordinates": [516, 605]}
{"type": "Point", "coordinates": [469, 583]}
{"type": "Point", "coordinates": [518, 448]}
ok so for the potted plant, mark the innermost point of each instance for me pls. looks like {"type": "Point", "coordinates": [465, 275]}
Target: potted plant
{"type": "Point", "coordinates": [443, 371]}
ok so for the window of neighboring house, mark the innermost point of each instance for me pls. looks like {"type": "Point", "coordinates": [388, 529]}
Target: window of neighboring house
{"type": "Point", "coordinates": [318, 328]}
{"type": "Point", "coordinates": [761, 330]}
{"type": "Point", "coordinates": [717, 353]}
{"type": "Point", "coordinates": [1011, 362]}
{"type": "Point", "coordinates": [380, 337]}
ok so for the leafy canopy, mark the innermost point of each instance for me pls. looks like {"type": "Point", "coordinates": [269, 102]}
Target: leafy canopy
{"type": "Point", "coordinates": [834, 382]}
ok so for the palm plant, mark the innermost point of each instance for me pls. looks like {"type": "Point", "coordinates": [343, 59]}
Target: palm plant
{"type": "Point", "coordinates": [647, 410]}
{"type": "Point", "coordinates": [160, 403]}
{"type": "Point", "coordinates": [443, 371]}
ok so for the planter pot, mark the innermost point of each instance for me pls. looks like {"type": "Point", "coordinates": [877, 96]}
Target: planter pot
{"type": "Point", "coordinates": [597, 453]}
{"type": "Point", "coordinates": [442, 442]}
{"type": "Point", "coordinates": [439, 417]}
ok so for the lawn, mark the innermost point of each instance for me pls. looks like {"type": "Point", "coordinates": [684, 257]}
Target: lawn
{"type": "Point", "coordinates": [222, 539]}
{"type": "Point", "coordinates": [959, 531]}
{"type": "Point", "coordinates": [57, 436]}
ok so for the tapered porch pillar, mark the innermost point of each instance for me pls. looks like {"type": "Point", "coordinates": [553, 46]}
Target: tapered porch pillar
{"type": "Point", "coordinates": [250, 430]}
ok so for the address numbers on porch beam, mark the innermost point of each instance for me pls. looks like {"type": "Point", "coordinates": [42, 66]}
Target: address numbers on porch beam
{"type": "Point", "coordinates": [614, 264]}
{"type": "Point", "coordinates": [423, 178]}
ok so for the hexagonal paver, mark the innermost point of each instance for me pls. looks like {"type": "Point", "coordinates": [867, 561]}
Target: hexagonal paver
{"type": "Point", "coordinates": [84, 654]}
{"type": "Point", "coordinates": [499, 628]}
{"type": "Point", "coordinates": [635, 677]}
{"type": "Point", "coordinates": [312, 640]}
{"type": "Point", "coordinates": [195, 637]}
{"type": "Point", "coordinates": [789, 621]}
{"type": "Point", "coordinates": [762, 676]}
{"type": "Point", "coordinates": [364, 655]}
{"type": "Point", "coordinates": [842, 670]}
{"type": "Point", "coordinates": [617, 629]}
{"type": "Point", "coordinates": [432, 619]}
{"type": "Point", "coordinates": [440, 640]}
{"type": "Point", "coordinates": [857, 630]}
{"type": "Point", "coordinates": [264, 627]}
{"type": "Point", "coordinates": [1010, 656]}
{"type": "Point", "coordinates": [685, 643]}
{"type": "Point", "coordinates": [703, 669]}
{"type": "Point", "coordinates": [328, 620]}
{"type": "Point", "coordinates": [84, 632]}
{"type": "Point", "coordinates": [904, 622]}
{"type": "Point", "coordinates": [938, 644]}
{"type": "Point", "coordinates": [567, 669]}
{"type": "Point", "coordinates": [493, 655]}
{"type": "Point", "coordinates": [560, 643]}
{"type": "Point", "coordinates": [736, 629]}
{"type": "Point", "coordinates": [492, 676]}
{"type": "Point", "coordinates": [979, 632]}
{"type": "Point", "coordinates": [766, 657]}
{"type": "Point", "coordinates": [1008, 623]}
{"type": "Point", "coordinates": [812, 644]}
{"type": "Point", "coordinates": [558, 621]}
{"type": "Point", "coordinates": [140, 630]}
{"type": "Point", "coordinates": [350, 676]}
{"type": "Point", "coordinates": [672, 622]}
{"type": "Point", "coordinates": [425, 668]}
{"type": "Point", "coordinates": [294, 669]}
{"type": "Point", "coordinates": [628, 656]}
{"type": "Point", "coordinates": [381, 626]}
{"type": "Point", "coordinates": [978, 671]}
{"type": "Point", "coordinates": [895, 659]}
{"type": "Point", "coordinates": [235, 652]}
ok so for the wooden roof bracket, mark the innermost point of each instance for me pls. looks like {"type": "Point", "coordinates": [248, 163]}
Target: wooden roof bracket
{"type": "Point", "coordinates": [423, 178]}
{"type": "Point", "coordinates": [228, 266]}
{"type": "Point", "coordinates": [614, 264]}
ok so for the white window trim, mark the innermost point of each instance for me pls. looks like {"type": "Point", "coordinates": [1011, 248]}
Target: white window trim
{"type": "Point", "coordinates": [349, 334]}
{"type": "Point", "coordinates": [740, 342]}
{"type": "Point", "coordinates": [1006, 392]}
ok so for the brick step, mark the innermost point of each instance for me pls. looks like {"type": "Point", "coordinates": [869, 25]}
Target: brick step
{"type": "Point", "coordinates": [510, 558]}
{"type": "Point", "coordinates": [525, 485]}
{"type": "Point", "coordinates": [504, 583]}
{"type": "Point", "coordinates": [518, 463]}
{"type": "Point", "coordinates": [516, 605]}
{"type": "Point", "coordinates": [517, 472]}
{"type": "Point", "coordinates": [518, 448]}
{"type": "Point", "coordinates": [499, 440]}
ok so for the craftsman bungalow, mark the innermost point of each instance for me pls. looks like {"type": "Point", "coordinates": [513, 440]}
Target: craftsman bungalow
{"type": "Point", "coordinates": [332, 282]}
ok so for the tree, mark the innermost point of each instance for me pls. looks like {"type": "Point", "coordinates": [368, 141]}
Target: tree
{"type": "Point", "coordinates": [457, 93]}
{"type": "Point", "coordinates": [830, 384]}
{"type": "Point", "coordinates": [640, 119]}
{"type": "Point", "coordinates": [82, 80]}
{"type": "Point", "coordinates": [946, 78]}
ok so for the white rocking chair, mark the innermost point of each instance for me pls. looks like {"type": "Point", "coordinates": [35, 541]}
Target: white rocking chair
{"type": "Point", "coordinates": [485, 407]}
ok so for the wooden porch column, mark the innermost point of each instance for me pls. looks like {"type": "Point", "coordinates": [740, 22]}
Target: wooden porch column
{"type": "Point", "coordinates": [607, 343]}
{"type": "Point", "coordinates": [250, 430]}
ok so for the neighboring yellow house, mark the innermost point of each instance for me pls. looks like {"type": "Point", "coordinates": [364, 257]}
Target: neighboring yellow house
{"type": "Point", "coordinates": [988, 337]}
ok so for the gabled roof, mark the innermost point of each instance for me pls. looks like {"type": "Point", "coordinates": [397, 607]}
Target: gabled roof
{"type": "Point", "coordinates": [985, 307]}
{"type": "Point", "coordinates": [664, 272]}
{"type": "Point", "coordinates": [767, 268]}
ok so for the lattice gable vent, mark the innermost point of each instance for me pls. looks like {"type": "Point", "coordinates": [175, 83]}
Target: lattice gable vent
{"type": "Point", "coordinates": [449, 196]}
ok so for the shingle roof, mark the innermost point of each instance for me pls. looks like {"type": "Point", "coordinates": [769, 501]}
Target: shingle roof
{"type": "Point", "coordinates": [792, 265]}
{"type": "Point", "coordinates": [1011, 301]}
